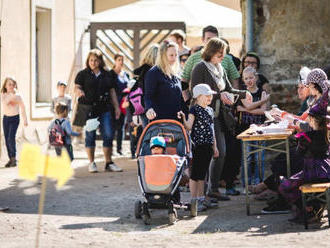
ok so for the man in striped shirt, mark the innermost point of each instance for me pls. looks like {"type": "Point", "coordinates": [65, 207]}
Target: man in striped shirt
{"type": "Point", "coordinates": [227, 63]}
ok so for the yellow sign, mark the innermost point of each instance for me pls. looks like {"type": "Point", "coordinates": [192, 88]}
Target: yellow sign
{"type": "Point", "coordinates": [33, 163]}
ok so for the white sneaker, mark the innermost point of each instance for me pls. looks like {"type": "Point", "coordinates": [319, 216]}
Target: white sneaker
{"type": "Point", "coordinates": [115, 168]}
{"type": "Point", "coordinates": [92, 167]}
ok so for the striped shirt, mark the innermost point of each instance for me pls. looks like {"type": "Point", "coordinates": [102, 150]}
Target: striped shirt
{"type": "Point", "coordinates": [227, 63]}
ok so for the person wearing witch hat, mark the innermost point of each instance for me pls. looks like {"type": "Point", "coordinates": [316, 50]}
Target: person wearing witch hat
{"type": "Point", "coordinates": [317, 83]}
{"type": "Point", "coordinates": [313, 146]}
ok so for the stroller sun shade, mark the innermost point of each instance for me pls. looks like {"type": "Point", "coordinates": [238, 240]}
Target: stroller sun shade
{"type": "Point", "coordinates": [173, 133]}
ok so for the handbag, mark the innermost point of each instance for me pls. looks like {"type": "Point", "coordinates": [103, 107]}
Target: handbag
{"type": "Point", "coordinates": [83, 113]}
{"type": "Point", "coordinates": [229, 120]}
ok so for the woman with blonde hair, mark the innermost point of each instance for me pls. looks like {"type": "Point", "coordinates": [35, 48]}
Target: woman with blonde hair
{"type": "Point", "coordinates": [148, 61]}
{"type": "Point", "coordinates": [163, 95]}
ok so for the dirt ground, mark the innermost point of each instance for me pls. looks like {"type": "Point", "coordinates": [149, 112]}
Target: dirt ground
{"type": "Point", "coordinates": [97, 210]}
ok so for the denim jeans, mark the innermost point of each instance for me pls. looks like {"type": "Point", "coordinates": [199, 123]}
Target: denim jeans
{"type": "Point", "coordinates": [119, 129]}
{"type": "Point", "coordinates": [10, 125]}
{"type": "Point", "coordinates": [144, 119]}
{"type": "Point", "coordinates": [217, 164]}
{"type": "Point", "coordinates": [254, 159]}
{"type": "Point", "coordinates": [68, 149]}
{"type": "Point", "coordinates": [106, 129]}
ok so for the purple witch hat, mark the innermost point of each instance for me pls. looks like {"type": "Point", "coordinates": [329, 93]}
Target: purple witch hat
{"type": "Point", "coordinates": [320, 109]}
{"type": "Point", "coordinates": [318, 76]}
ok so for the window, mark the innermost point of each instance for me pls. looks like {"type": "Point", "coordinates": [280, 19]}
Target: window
{"type": "Point", "coordinates": [43, 68]}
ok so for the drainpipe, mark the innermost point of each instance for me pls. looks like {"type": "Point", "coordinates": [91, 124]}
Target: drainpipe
{"type": "Point", "coordinates": [249, 25]}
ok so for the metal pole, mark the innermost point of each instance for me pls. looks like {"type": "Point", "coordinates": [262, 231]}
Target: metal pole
{"type": "Point", "coordinates": [246, 177]}
{"type": "Point", "coordinates": [249, 25]}
{"type": "Point", "coordinates": [287, 150]}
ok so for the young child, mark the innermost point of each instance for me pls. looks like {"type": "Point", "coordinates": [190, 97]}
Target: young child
{"type": "Point", "coordinates": [313, 146]}
{"type": "Point", "coordinates": [62, 110]}
{"type": "Point", "coordinates": [157, 145]}
{"type": "Point", "coordinates": [12, 105]}
{"type": "Point", "coordinates": [61, 97]}
{"type": "Point", "coordinates": [252, 113]}
{"type": "Point", "coordinates": [200, 122]}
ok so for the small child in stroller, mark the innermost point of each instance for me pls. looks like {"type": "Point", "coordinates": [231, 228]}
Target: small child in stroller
{"type": "Point", "coordinates": [157, 145]}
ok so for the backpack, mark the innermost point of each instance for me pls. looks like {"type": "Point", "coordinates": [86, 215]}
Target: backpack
{"type": "Point", "coordinates": [57, 134]}
{"type": "Point", "coordinates": [135, 98]}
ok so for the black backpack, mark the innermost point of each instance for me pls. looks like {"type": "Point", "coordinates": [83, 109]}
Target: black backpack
{"type": "Point", "coordinates": [57, 134]}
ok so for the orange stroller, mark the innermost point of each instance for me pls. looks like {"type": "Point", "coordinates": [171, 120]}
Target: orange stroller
{"type": "Point", "coordinates": [159, 175]}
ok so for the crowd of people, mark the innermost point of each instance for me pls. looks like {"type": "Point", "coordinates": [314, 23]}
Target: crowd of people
{"type": "Point", "coordinates": [215, 95]}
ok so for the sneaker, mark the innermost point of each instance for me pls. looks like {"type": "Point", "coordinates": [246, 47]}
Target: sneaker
{"type": "Point", "coordinates": [244, 192]}
{"type": "Point", "coordinates": [8, 164]}
{"type": "Point", "coordinates": [92, 168]}
{"type": "Point", "coordinates": [107, 167]}
{"type": "Point", "coordinates": [113, 167]}
{"type": "Point", "coordinates": [13, 163]}
{"type": "Point", "coordinates": [213, 200]}
{"type": "Point", "coordinates": [266, 195]}
{"type": "Point", "coordinates": [200, 206]}
{"type": "Point", "coordinates": [232, 191]}
{"type": "Point", "coordinates": [218, 196]}
{"type": "Point", "coordinates": [210, 204]}
{"type": "Point", "coordinates": [276, 209]}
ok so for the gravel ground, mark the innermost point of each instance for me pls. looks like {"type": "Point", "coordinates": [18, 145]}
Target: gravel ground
{"type": "Point", "coordinates": [97, 210]}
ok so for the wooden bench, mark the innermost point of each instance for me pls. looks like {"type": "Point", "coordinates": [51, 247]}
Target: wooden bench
{"type": "Point", "coordinates": [315, 191]}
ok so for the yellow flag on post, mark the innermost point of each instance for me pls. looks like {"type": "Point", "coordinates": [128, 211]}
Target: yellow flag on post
{"type": "Point", "coordinates": [32, 164]}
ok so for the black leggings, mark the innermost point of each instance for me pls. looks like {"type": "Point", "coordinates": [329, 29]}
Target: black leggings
{"type": "Point", "coordinates": [202, 155]}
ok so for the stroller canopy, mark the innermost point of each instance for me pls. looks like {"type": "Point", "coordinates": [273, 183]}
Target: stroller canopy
{"type": "Point", "coordinates": [175, 135]}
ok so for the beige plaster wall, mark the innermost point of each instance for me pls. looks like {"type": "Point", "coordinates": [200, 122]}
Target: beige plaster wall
{"type": "Point", "coordinates": [15, 44]}
{"type": "Point", "coordinates": [17, 47]}
{"type": "Point", "coordinates": [64, 46]}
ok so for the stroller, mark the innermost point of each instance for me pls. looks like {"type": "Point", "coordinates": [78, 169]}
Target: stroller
{"type": "Point", "coordinates": [159, 175]}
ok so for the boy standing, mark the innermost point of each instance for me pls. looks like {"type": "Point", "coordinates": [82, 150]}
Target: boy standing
{"type": "Point", "coordinates": [61, 97]}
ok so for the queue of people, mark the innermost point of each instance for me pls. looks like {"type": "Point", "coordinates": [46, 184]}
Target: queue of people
{"type": "Point", "coordinates": [202, 90]}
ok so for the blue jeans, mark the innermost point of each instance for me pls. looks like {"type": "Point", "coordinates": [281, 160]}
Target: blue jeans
{"type": "Point", "coordinates": [106, 129]}
{"type": "Point", "coordinates": [69, 149]}
{"type": "Point", "coordinates": [119, 129]}
{"type": "Point", "coordinates": [10, 125]}
{"type": "Point", "coordinates": [253, 159]}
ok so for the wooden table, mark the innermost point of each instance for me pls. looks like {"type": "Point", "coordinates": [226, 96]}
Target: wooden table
{"type": "Point", "coordinates": [251, 135]}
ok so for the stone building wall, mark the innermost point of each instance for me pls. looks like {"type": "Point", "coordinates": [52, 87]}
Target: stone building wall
{"type": "Point", "coordinates": [287, 35]}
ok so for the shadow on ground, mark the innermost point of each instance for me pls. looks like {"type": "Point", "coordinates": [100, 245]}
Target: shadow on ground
{"type": "Point", "coordinates": [110, 198]}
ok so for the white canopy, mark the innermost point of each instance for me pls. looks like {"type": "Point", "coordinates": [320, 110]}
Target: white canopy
{"type": "Point", "coordinates": [197, 13]}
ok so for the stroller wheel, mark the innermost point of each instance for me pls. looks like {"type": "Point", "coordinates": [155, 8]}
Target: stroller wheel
{"type": "Point", "coordinates": [146, 219]}
{"type": "Point", "coordinates": [172, 216]}
{"type": "Point", "coordinates": [145, 214]}
{"type": "Point", "coordinates": [138, 209]}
